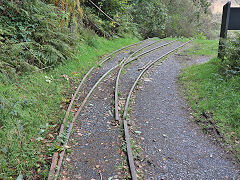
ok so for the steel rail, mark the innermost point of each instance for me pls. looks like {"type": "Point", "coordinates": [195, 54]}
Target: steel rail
{"type": "Point", "coordinates": [55, 155]}
{"type": "Point", "coordinates": [117, 118]}
{"type": "Point", "coordinates": [118, 76]}
{"type": "Point", "coordinates": [107, 57]}
{"type": "Point", "coordinates": [125, 122]}
{"type": "Point", "coordinates": [150, 50]}
{"type": "Point", "coordinates": [85, 100]}
{"type": "Point", "coordinates": [143, 67]}
{"type": "Point", "coordinates": [78, 112]}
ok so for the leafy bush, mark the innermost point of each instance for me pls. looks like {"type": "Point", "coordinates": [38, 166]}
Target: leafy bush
{"type": "Point", "coordinates": [30, 37]}
{"type": "Point", "coordinates": [150, 17]}
{"type": "Point", "coordinates": [112, 7]}
{"type": "Point", "coordinates": [119, 10]}
{"type": "Point", "coordinates": [187, 17]}
{"type": "Point", "coordinates": [231, 62]}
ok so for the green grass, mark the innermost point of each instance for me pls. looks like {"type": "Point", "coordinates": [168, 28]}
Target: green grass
{"type": "Point", "coordinates": [203, 47]}
{"type": "Point", "coordinates": [32, 109]}
{"type": "Point", "coordinates": [211, 93]}
{"type": "Point", "coordinates": [199, 47]}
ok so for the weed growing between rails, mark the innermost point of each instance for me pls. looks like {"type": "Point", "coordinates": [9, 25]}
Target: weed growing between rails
{"type": "Point", "coordinates": [32, 108]}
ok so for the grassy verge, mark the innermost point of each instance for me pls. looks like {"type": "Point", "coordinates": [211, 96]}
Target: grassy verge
{"type": "Point", "coordinates": [202, 47]}
{"type": "Point", "coordinates": [32, 108]}
{"type": "Point", "coordinates": [214, 99]}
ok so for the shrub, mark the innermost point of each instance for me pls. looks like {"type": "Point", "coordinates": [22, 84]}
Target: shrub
{"type": "Point", "coordinates": [30, 37]}
{"type": "Point", "coordinates": [187, 17]}
{"type": "Point", "coordinates": [150, 17]}
{"type": "Point", "coordinates": [231, 62]}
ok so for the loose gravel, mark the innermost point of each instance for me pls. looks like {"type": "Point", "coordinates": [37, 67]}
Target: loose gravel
{"type": "Point", "coordinates": [173, 147]}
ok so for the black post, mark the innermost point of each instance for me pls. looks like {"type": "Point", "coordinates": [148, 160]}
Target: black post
{"type": "Point", "coordinates": [224, 28]}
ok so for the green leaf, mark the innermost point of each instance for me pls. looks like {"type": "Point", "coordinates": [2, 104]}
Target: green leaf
{"type": "Point", "coordinates": [2, 8]}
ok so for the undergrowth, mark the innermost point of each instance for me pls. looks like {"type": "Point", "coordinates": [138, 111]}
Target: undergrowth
{"type": "Point", "coordinates": [32, 109]}
{"type": "Point", "coordinates": [231, 63]}
{"type": "Point", "coordinates": [31, 37]}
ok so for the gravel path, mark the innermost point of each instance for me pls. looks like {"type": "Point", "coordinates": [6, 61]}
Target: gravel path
{"type": "Point", "coordinates": [173, 147]}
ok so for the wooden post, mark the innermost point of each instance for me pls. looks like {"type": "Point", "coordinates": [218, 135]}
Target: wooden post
{"type": "Point", "coordinates": [224, 28]}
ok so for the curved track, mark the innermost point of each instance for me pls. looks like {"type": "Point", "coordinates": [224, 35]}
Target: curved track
{"type": "Point", "coordinates": [101, 74]}
{"type": "Point", "coordinates": [125, 122]}
{"type": "Point", "coordinates": [52, 173]}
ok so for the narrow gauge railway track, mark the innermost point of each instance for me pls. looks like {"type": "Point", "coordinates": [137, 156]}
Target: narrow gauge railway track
{"type": "Point", "coordinates": [57, 162]}
{"type": "Point", "coordinates": [125, 121]}
{"type": "Point", "coordinates": [52, 171]}
{"type": "Point", "coordinates": [123, 63]}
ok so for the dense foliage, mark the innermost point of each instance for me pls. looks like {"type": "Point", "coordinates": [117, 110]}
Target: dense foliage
{"type": "Point", "coordinates": [30, 37]}
{"type": "Point", "coordinates": [186, 18]}
{"type": "Point", "coordinates": [150, 17]}
{"type": "Point", "coordinates": [231, 62]}
{"type": "Point", "coordinates": [36, 34]}
{"type": "Point", "coordinates": [171, 18]}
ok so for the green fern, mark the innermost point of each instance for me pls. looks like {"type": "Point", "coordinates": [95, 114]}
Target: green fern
{"type": "Point", "coordinates": [30, 36]}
